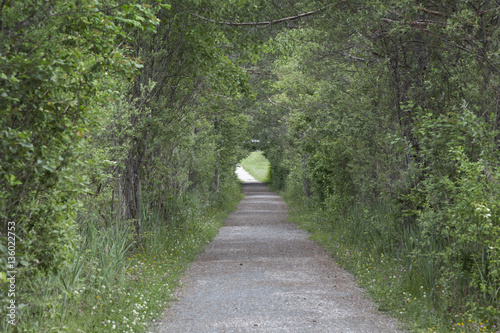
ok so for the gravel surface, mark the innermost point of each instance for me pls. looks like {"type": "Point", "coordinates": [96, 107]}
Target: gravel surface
{"type": "Point", "coordinates": [263, 274]}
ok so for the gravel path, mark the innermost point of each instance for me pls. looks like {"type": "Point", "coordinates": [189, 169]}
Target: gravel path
{"type": "Point", "coordinates": [263, 274]}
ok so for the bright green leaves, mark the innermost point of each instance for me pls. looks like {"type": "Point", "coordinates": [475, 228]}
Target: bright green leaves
{"type": "Point", "coordinates": [459, 190]}
{"type": "Point", "coordinates": [12, 180]}
{"type": "Point", "coordinates": [138, 16]}
{"type": "Point", "coordinates": [60, 67]}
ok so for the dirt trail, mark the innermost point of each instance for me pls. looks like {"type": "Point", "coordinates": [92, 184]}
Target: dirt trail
{"type": "Point", "coordinates": [263, 274]}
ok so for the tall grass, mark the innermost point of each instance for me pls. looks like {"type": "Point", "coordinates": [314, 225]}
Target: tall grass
{"type": "Point", "coordinates": [381, 251]}
{"type": "Point", "coordinates": [115, 283]}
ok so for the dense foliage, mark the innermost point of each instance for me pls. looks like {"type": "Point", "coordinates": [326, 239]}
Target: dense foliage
{"type": "Point", "coordinates": [58, 63]}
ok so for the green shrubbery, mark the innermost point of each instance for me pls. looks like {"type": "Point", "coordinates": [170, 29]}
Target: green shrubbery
{"type": "Point", "coordinates": [388, 131]}
{"type": "Point", "coordinates": [53, 84]}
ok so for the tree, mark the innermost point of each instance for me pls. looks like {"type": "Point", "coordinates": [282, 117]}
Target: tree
{"type": "Point", "coordinates": [59, 64]}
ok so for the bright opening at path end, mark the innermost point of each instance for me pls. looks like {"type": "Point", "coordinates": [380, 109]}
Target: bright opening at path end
{"type": "Point", "coordinates": [244, 176]}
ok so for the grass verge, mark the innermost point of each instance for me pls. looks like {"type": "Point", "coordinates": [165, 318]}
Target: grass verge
{"type": "Point", "coordinates": [114, 286]}
{"type": "Point", "coordinates": [401, 286]}
{"type": "Point", "coordinates": [257, 165]}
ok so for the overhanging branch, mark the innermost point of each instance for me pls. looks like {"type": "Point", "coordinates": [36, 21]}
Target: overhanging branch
{"type": "Point", "coordinates": [291, 18]}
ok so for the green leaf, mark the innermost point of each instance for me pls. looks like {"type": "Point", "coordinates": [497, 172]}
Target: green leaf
{"type": "Point", "coordinates": [12, 180]}
{"type": "Point", "coordinates": [48, 168]}
{"type": "Point", "coordinates": [26, 144]}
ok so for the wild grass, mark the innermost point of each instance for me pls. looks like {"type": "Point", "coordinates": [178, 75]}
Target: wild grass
{"type": "Point", "coordinates": [115, 284]}
{"type": "Point", "coordinates": [402, 282]}
{"type": "Point", "coordinates": [257, 165]}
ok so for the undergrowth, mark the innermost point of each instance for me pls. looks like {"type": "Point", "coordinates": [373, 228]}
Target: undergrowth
{"type": "Point", "coordinates": [115, 283]}
{"type": "Point", "coordinates": [402, 286]}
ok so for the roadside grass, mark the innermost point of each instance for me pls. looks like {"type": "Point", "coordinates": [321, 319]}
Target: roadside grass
{"type": "Point", "coordinates": [401, 285]}
{"type": "Point", "coordinates": [114, 285]}
{"type": "Point", "coordinates": [257, 165]}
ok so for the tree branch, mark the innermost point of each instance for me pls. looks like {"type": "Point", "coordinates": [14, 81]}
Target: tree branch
{"type": "Point", "coordinates": [432, 12]}
{"type": "Point", "coordinates": [257, 72]}
{"type": "Point", "coordinates": [291, 18]}
{"type": "Point", "coordinates": [279, 106]}
{"type": "Point", "coordinates": [354, 57]}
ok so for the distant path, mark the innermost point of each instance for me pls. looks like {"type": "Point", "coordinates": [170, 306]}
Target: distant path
{"type": "Point", "coordinates": [263, 274]}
